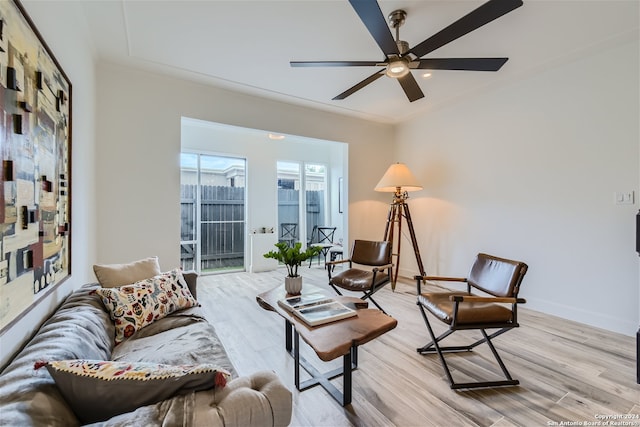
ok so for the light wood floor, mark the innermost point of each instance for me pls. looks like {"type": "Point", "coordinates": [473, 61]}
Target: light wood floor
{"type": "Point", "coordinates": [568, 372]}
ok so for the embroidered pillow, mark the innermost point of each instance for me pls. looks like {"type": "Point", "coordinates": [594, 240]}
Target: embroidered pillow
{"type": "Point", "coordinates": [135, 306]}
{"type": "Point", "coordinates": [112, 275]}
{"type": "Point", "coordinates": [98, 390]}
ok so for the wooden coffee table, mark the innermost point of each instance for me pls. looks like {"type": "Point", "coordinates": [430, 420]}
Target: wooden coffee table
{"type": "Point", "coordinates": [329, 341]}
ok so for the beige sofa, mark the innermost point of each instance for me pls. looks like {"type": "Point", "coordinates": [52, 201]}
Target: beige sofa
{"type": "Point", "coordinates": [82, 329]}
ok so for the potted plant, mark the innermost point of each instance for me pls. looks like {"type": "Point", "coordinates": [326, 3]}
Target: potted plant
{"type": "Point", "coordinates": [292, 257]}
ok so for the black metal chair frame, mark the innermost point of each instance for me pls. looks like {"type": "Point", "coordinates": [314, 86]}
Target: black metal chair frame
{"type": "Point", "coordinates": [289, 232]}
{"type": "Point", "coordinates": [435, 347]}
{"type": "Point", "coordinates": [322, 237]}
{"type": "Point", "coordinates": [368, 294]}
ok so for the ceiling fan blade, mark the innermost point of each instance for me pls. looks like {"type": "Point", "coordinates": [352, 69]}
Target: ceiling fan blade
{"type": "Point", "coordinates": [372, 17]}
{"type": "Point", "coordinates": [335, 63]}
{"type": "Point", "coordinates": [372, 78]}
{"type": "Point", "coordinates": [468, 64]}
{"type": "Point", "coordinates": [486, 13]}
{"type": "Point", "coordinates": [410, 87]}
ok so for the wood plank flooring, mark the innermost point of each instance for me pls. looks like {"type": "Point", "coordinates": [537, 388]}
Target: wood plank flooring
{"type": "Point", "coordinates": [568, 372]}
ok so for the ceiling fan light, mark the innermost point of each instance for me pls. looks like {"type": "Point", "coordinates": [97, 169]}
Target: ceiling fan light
{"type": "Point", "coordinates": [397, 68]}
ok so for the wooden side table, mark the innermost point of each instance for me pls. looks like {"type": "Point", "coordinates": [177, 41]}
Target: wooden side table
{"type": "Point", "coordinates": [329, 341]}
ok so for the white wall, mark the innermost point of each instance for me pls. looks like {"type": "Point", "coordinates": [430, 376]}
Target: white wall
{"type": "Point", "coordinates": [139, 141]}
{"type": "Point", "coordinates": [529, 172]}
{"type": "Point", "coordinates": [58, 24]}
{"type": "Point", "coordinates": [262, 155]}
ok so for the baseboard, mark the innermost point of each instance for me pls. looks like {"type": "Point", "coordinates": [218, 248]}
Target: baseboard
{"type": "Point", "coordinates": [599, 320]}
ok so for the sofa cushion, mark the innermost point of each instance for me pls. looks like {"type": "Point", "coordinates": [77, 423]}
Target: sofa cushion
{"type": "Point", "coordinates": [184, 336]}
{"type": "Point", "coordinates": [80, 328]}
{"type": "Point", "coordinates": [98, 390]}
{"type": "Point", "coordinates": [113, 275]}
{"type": "Point", "coordinates": [135, 306]}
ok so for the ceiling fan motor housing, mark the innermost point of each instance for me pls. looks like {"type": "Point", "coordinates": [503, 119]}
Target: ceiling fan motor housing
{"type": "Point", "coordinates": [403, 46]}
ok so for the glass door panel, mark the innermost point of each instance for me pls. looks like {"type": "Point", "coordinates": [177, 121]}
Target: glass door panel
{"type": "Point", "coordinates": [218, 214]}
{"type": "Point", "coordinates": [289, 228]}
{"type": "Point", "coordinates": [315, 179]}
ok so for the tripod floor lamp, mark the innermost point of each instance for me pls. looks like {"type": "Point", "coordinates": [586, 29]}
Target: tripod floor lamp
{"type": "Point", "coordinates": [399, 180]}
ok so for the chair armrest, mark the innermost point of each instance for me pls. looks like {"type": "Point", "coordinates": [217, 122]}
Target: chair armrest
{"type": "Point", "coordinates": [420, 279]}
{"type": "Point", "coordinates": [338, 261]}
{"type": "Point", "coordinates": [442, 279]}
{"type": "Point", "coordinates": [328, 264]}
{"type": "Point", "coordinates": [382, 267]}
{"type": "Point", "coordinates": [476, 298]}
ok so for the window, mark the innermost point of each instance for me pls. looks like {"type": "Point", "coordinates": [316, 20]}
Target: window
{"type": "Point", "coordinates": [286, 184]}
{"type": "Point", "coordinates": [296, 225]}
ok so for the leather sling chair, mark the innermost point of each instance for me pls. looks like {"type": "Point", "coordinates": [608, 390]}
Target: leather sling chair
{"type": "Point", "coordinates": [499, 280]}
{"type": "Point", "coordinates": [372, 254]}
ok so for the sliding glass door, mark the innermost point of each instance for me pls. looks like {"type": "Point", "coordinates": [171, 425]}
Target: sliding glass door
{"type": "Point", "coordinates": [212, 213]}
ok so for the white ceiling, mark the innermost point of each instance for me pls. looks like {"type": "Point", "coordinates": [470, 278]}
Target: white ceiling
{"type": "Point", "coordinates": [247, 45]}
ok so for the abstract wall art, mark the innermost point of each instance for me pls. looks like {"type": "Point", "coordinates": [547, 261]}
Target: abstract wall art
{"type": "Point", "coordinates": [35, 148]}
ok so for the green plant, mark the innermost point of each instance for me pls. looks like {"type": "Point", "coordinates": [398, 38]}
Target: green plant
{"type": "Point", "coordinates": [292, 256]}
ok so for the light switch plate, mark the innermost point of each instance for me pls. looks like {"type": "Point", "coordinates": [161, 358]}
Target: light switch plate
{"type": "Point", "coordinates": [624, 197]}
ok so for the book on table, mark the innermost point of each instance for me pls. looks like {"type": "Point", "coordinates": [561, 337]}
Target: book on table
{"type": "Point", "coordinates": [324, 313]}
{"type": "Point", "coordinates": [300, 301]}
{"type": "Point", "coordinates": [316, 308]}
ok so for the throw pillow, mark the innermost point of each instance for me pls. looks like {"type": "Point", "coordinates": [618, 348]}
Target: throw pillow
{"type": "Point", "coordinates": [98, 390]}
{"type": "Point", "coordinates": [135, 306]}
{"type": "Point", "coordinates": [113, 275]}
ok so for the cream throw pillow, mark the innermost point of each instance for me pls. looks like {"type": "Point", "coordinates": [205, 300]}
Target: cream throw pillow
{"type": "Point", "coordinates": [114, 275]}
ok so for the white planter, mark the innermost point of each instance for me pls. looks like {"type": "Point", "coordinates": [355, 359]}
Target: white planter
{"type": "Point", "coordinates": [293, 285]}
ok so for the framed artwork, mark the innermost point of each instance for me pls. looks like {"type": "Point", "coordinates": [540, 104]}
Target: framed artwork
{"type": "Point", "coordinates": [340, 195]}
{"type": "Point", "coordinates": [35, 147]}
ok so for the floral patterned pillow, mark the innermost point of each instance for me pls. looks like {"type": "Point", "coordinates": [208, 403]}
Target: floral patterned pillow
{"type": "Point", "coordinates": [97, 390]}
{"type": "Point", "coordinates": [135, 306]}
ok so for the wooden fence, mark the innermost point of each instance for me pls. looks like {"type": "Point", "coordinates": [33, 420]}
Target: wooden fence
{"type": "Point", "coordinates": [222, 226]}
{"type": "Point", "coordinates": [222, 216]}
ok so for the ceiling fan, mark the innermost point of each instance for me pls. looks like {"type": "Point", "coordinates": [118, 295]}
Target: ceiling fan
{"type": "Point", "coordinates": [400, 59]}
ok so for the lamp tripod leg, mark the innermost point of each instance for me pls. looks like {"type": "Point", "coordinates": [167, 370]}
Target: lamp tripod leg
{"type": "Point", "coordinates": [414, 240]}
{"type": "Point", "coordinates": [398, 210]}
{"type": "Point", "coordinates": [393, 218]}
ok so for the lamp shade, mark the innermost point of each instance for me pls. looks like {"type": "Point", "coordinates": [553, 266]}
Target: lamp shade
{"type": "Point", "coordinates": [398, 176]}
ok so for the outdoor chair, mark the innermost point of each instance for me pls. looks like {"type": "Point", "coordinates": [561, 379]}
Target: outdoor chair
{"type": "Point", "coordinates": [499, 280]}
{"type": "Point", "coordinates": [288, 233]}
{"type": "Point", "coordinates": [374, 255]}
{"type": "Point", "coordinates": [321, 237]}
